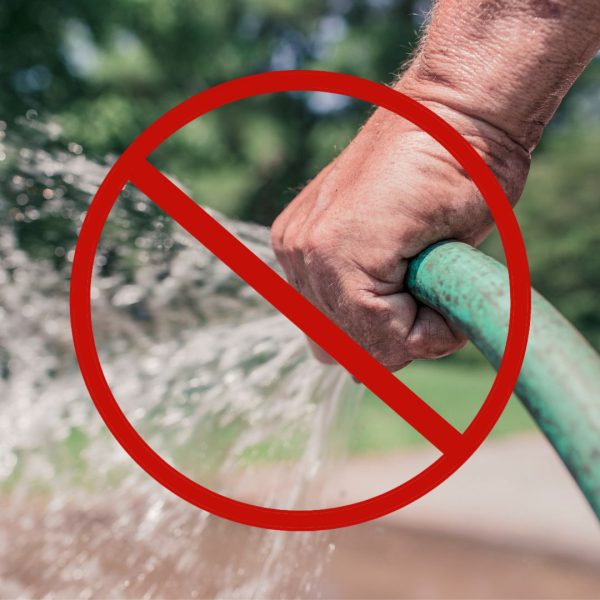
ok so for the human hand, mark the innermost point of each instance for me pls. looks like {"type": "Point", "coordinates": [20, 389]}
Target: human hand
{"type": "Point", "coordinates": [346, 239]}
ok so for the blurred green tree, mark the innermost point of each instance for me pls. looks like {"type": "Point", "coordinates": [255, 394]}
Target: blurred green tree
{"type": "Point", "coordinates": [105, 70]}
{"type": "Point", "coordinates": [559, 215]}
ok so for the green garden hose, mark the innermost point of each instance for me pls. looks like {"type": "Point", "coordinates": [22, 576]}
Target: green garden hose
{"type": "Point", "coordinates": [559, 383]}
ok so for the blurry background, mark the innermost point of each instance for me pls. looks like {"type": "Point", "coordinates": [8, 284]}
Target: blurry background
{"type": "Point", "coordinates": [104, 71]}
{"type": "Point", "coordinates": [85, 78]}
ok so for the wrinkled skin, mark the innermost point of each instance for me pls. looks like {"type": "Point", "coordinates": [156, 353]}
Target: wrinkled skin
{"type": "Point", "coordinates": [345, 240]}
{"type": "Point", "coordinates": [497, 72]}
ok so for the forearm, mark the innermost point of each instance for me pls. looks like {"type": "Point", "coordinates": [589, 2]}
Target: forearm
{"type": "Point", "coordinates": [508, 63]}
{"type": "Point", "coordinates": [496, 70]}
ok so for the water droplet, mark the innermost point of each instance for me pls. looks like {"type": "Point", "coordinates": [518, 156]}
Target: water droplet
{"type": "Point", "coordinates": [75, 148]}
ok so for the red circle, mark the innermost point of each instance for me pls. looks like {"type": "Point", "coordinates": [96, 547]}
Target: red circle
{"type": "Point", "coordinates": [81, 319]}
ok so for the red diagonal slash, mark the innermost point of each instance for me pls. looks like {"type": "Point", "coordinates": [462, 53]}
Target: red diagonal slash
{"type": "Point", "coordinates": [210, 233]}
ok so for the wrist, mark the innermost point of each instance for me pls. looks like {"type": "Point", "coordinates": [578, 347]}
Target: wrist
{"type": "Point", "coordinates": [507, 63]}
{"type": "Point", "coordinates": [493, 115]}
{"type": "Point", "coordinates": [507, 158]}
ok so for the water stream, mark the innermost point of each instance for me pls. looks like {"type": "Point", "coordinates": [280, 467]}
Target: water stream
{"type": "Point", "coordinates": [215, 380]}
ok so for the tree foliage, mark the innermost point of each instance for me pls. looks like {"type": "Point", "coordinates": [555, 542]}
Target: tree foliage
{"type": "Point", "coordinates": [106, 70]}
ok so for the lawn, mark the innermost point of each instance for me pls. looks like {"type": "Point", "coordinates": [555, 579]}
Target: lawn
{"type": "Point", "coordinates": [456, 389]}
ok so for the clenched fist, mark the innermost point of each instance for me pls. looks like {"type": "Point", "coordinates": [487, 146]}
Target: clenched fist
{"type": "Point", "coordinates": [346, 239]}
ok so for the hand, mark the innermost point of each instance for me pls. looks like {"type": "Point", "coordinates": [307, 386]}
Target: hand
{"type": "Point", "coordinates": [345, 240]}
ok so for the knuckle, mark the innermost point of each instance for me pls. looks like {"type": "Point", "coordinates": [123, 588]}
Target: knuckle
{"type": "Point", "coordinates": [277, 235]}
{"type": "Point", "coordinates": [313, 253]}
{"type": "Point", "coordinates": [319, 250]}
{"type": "Point", "coordinates": [290, 243]}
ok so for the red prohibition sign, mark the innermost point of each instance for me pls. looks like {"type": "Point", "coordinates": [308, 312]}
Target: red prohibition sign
{"type": "Point", "coordinates": [455, 446]}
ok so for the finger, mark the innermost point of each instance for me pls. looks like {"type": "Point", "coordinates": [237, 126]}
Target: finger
{"type": "Point", "coordinates": [382, 326]}
{"type": "Point", "coordinates": [395, 330]}
{"type": "Point", "coordinates": [431, 336]}
{"type": "Point", "coordinates": [320, 354]}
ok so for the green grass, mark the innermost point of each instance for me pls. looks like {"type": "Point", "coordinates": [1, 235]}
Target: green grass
{"type": "Point", "coordinates": [454, 388]}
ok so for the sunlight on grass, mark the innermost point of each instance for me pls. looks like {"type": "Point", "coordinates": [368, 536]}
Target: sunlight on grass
{"type": "Point", "coordinates": [453, 388]}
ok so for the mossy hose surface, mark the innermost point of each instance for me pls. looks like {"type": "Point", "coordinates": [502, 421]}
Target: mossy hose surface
{"type": "Point", "coordinates": [559, 382]}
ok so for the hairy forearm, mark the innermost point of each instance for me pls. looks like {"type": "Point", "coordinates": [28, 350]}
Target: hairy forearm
{"type": "Point", "coordinates": [508, 63]}
{"type": "Point", "coordinates": [496, 71]}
